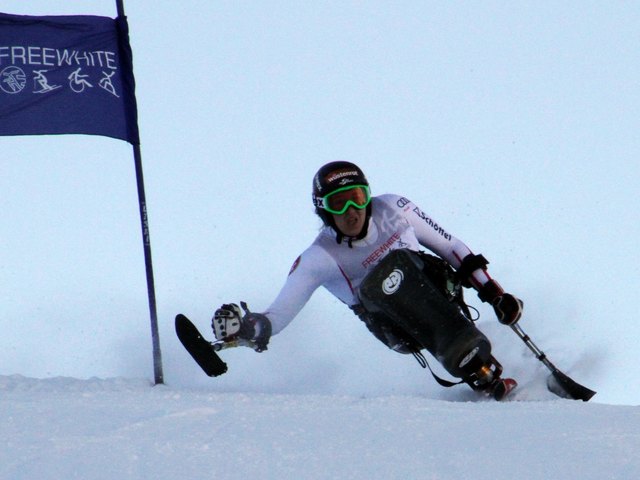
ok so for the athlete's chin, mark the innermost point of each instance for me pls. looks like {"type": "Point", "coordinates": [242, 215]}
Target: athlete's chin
{"type": "Point", "coordinates": [353, 230]}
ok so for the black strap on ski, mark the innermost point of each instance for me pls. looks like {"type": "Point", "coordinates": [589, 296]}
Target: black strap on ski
{"type": "Point", "coordinates": [424, 364]}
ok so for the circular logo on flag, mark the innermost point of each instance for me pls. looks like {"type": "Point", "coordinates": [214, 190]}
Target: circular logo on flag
{"type": "Point", "coordinates": [12, 79]}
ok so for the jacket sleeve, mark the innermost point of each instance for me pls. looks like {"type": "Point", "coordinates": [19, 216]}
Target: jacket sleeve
{"type": "Point", "coordinates": [432, 235]}
{"type": "Point", "coordinates": [310, 270]}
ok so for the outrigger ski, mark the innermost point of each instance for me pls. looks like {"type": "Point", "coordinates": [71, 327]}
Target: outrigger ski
{"type": "Point", "coordinates": [558, 383]}
{"type": "Point", "coordinates": [204, 352]}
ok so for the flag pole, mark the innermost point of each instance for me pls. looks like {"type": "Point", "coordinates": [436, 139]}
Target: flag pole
{"type": "Point", "coordinates": [146, 240]}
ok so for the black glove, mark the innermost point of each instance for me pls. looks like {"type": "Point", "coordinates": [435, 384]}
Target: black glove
{"type": "Point", "coordinates": [228, 323]}
{"type": "Point", "coordinates": [508, 308]}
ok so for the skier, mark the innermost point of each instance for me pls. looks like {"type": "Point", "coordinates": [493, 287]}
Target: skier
{"type": "Point", "coordinates": [368, 254]}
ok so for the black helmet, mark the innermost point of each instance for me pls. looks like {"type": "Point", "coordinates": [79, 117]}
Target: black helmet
{"type": "Point", "coordinates": [328, 179]}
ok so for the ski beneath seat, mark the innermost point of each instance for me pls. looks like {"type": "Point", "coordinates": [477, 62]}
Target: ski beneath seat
{"type": "Point", "coordinates": [202, 351]}
{"type": "Point", "coordinates": [502, 388]}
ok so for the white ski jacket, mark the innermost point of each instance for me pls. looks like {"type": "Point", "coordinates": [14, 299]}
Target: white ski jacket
{"type": "Point", "coordinates": [395, 222]}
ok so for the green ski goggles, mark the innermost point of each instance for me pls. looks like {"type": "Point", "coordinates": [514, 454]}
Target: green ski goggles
{"type": "Point", "coordinates": [339, 201]}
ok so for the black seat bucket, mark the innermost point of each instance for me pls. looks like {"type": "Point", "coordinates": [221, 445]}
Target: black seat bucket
{"type": "Point", "coordinates": [400, 288]}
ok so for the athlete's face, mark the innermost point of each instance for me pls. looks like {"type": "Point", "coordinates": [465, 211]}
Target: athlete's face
{"type": "Point", "coordinates": [351, 222]}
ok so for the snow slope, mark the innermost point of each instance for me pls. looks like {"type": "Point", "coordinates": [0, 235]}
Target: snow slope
{"type": "Point", "coordinates": [118, 429]}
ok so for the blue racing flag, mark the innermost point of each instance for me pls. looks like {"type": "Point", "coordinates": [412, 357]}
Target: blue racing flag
{"type": "Point", "coordinates": [67, 74]}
